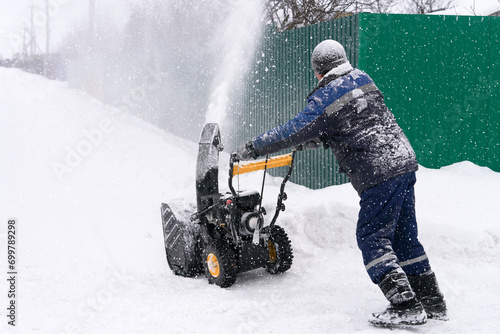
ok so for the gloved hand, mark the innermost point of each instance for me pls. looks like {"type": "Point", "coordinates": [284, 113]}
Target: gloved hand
{"type": "Point", "coordinates": [245, 152]}
{"type": "Point", "coordinates": [310, 145]}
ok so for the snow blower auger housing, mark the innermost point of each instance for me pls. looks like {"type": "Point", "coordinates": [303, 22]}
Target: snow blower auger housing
{"type": "Point", "coordinates": [226, 235]}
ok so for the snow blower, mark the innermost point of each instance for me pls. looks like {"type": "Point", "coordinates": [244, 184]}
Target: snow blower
{"type": "Point", "coordinates": [226, 235]}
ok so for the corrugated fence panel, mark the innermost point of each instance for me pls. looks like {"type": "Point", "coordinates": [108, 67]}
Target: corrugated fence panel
{"type": "Point", "coordinates": [493, 79]}
{"type": "Point", "coordinates": [438, 74]}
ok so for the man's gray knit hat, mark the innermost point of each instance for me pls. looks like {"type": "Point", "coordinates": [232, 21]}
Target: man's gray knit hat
{"type": "Point", "coordinates": [327, 55]}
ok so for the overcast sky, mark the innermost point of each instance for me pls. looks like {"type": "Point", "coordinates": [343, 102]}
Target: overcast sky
{"type": "Point", "coordinates": [64, 14]}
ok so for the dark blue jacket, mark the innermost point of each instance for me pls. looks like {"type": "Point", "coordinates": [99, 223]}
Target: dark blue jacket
{"type": "Point", "coordinates": [348, 114]}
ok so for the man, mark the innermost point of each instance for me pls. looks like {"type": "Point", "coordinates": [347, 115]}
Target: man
{"type": "Point", "coordinates": [347, 113]}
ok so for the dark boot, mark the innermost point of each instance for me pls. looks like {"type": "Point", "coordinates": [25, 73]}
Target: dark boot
{"type": "Point", "coordinates": [427, 292]}
{"type": "Point", "coordinates": [404, 309]}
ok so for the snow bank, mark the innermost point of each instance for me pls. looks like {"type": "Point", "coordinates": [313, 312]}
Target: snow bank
{"type": "Point", "coordinates": [85, 183]}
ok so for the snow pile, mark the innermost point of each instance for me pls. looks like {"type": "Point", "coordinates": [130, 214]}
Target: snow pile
{"type": "Point", "coordinates": [85, 183]}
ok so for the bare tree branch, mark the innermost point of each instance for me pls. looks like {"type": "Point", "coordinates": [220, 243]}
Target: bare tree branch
{"type": "Point", "coordinates": [428, 6]}
{"type": "Point", "coordinates": [290, 14]}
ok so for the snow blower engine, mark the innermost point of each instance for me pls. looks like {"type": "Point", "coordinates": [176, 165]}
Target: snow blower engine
{"type": "Point", "coordinates": [227, 235]}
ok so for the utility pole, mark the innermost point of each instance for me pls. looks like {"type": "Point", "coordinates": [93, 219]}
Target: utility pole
{"type": "Point", "coordinates": [25, 49]}
{"type": "Point", "coordinates": [32, 34]}
{"type": "Point", "coordinates": [47, 39]}
{"type": "Point", "coordinates": [90, 37]}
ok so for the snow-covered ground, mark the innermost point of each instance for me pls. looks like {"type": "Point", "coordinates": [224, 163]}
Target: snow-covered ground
{"type": "Point", "coordinates": [85, 183]}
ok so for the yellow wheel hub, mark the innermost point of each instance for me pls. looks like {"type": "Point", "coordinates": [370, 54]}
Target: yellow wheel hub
{"type": "Point", "coordinates": [272, 251]}
{"type": "Point", "coordinates": [213, 265]}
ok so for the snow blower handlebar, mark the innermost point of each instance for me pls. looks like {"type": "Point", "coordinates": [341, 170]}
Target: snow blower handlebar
{"type": "Point", "coordinates": [236, 168]}
{"type": "Point", "coordinates": [278, 161]}
{"type": "Point", "coordinates": [273, 162]}
{"type": "Point", "coordinates": [282, 195]}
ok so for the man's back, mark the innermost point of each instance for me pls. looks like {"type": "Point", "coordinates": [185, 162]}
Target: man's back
{"type": "Point", "coordinates": [369, 145]}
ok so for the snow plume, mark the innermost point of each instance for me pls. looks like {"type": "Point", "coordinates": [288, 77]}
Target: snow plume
{"type": "Point", "coordinates": [169, 61]}
{"type": "Point", "coordinates": [236, 40]}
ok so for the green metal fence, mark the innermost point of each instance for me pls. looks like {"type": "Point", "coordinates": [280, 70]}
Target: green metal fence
{"type": "Point", "coordinates": [439, 75]}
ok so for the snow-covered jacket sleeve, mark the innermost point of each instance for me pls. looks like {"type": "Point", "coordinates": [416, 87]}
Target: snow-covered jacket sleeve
{"type": "Point", "coordinates": [300, 129]}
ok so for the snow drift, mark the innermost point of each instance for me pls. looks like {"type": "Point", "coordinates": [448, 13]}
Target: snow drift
{"type": "Point", "coordinates": [85, 183]}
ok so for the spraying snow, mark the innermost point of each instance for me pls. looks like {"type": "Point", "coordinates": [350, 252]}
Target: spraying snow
{"type": "Point", "coordinates": [236, 43]}
{"type": "Point", "coordinates": [176, 64]}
